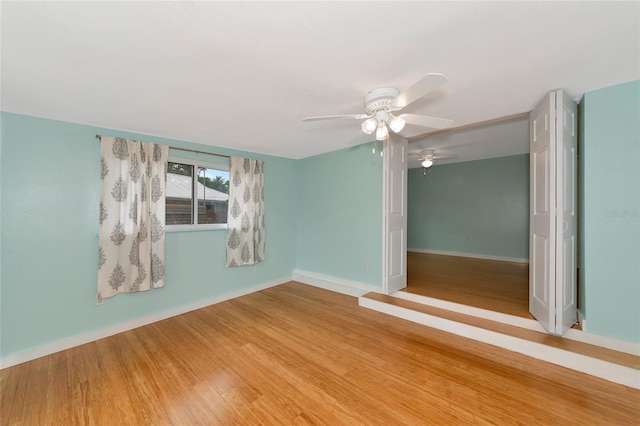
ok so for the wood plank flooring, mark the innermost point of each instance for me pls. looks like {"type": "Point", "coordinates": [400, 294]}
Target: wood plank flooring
{"type": "Point", "coordinates": [295, 354]}
{"type": "Point", "coordinates": [487, 284]}
{"type": "Point", "coordinates": [609, 355]}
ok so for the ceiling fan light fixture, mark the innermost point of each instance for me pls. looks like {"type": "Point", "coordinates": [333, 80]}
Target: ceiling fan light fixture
{"type": "Point", "coordinates": [370, 125]}
{"type": "Point", "coordinates": [381, 102]}
{"type": "Point", "coordinates": [426, 163]}
{"type": "Point", "coordinates": [396, 124]}
{"type": "Point", "coordinates": [382, 133]}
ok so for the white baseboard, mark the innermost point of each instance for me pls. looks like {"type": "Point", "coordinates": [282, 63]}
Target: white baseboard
{"type": "Point", "coordinates": [582, 321]}
{"type": "Point", "coordinates": [337, 284]}
{"type": "Point", "coordinates": [471, 255]}
{"type": "Point", "coordinates": [81, 339]}
{"type": "Point", "coordinates": [609, 371]}
{"type": "Point", "coordinates": [603, 341]}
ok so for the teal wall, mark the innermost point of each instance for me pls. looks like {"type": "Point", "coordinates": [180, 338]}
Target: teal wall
{"type": "Point", "coordinates": [50, 177]}
{"type": "Point", "coordinates": [476, 207]}
{"type": "Point", "coordinates": [323, 215]}
{"type": "Point", "coordinates": [610, 210]}
{"type": "Point", "coordinates": [339, 199]}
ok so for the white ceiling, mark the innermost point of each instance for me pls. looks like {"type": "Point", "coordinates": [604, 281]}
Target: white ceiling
{"type": "Point", "coordinates": [508, 137]}
{"type": "Point", "coordinates": [244, 74]}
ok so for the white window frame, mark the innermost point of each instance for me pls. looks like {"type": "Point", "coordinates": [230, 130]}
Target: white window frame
{"type": "Point", "coordinates": [196, 226]}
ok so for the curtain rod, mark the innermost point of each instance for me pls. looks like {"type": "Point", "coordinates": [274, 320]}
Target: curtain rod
{"type": "Point", "coordinates": [189, 150]}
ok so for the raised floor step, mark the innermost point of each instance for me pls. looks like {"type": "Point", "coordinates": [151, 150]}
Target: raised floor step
{"type": "Point", "coordinates": [619, 367]}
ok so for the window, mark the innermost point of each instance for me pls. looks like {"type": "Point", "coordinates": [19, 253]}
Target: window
{"type": "Point", "coordinates": [197, 195]}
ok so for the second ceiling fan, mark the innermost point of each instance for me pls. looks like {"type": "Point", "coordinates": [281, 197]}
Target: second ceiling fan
{"type": "Point", "coordinates": [428, 157]}
{"type": "Point", "coordinates": [381, 104]}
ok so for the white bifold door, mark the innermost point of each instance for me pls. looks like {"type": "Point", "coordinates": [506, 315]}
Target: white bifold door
{"type": "Point", "coordinates": [553, 222]}
{"type": "Point", "coordinates": [394, 274]}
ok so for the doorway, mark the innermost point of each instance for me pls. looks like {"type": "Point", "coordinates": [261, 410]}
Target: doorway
{"type": "Point", "coordinates": [504, 286]}
{"type": "Point", "coordinates": [468, 231]}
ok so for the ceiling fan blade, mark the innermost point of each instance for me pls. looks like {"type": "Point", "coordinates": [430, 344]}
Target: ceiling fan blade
{"type": "Point", "coordinates": [420, 88]}
{"type": "Point", "coordinates": [361, 138]}
{"type": "Point", "coordinates": [426, 121]}
{"type": "Point", "coordinates": [331, 117]}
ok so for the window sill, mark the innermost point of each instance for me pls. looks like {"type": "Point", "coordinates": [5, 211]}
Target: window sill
{"type": "Point", "coordinates": [192, 228]}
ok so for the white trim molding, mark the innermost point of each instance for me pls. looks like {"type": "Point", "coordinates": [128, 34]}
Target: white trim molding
{"type": "Point", "coordinates": [582, 321]}
{"type": "Point", "coordinates": [606, 370]}
{"type": "Point", "coordinates": [333, 283]}
{"type": "Point", "coordinates": [470, 255]}
{"type": "Point", "coordinates": [81, 339]}
{"type": "Point", "coordinates": [603, 341]}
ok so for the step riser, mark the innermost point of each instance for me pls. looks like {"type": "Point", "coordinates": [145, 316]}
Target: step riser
{"type": "Point", "coordinates": [529, 324]}
{"type": "Point", "coordinates": [606, 370]}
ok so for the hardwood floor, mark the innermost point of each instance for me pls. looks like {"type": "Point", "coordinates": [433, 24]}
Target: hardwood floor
{"type": "Point", "coordinates": [295, 354]}
{"type": "Point", "coordinates": [488, 284]}
{"type": "Point", "coordinates": [592, 351]}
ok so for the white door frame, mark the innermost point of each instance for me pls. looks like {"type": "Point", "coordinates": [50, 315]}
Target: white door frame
{"type": "Point", "coordinates": [394, 208]}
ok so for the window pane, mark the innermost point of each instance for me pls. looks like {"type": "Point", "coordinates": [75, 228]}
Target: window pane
{"type": "Point", "coordinates": [179, 199]}
{"type": "Point", "coordinates": [213, 195]}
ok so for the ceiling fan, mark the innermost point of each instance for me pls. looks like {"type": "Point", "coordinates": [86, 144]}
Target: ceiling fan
{"type": "Point", "coordinates": [380, 104]}
{"type": "Point", "coordinates": [428, 158]}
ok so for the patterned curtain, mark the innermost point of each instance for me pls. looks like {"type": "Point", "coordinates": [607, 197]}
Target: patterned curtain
{"type": "Point", "coordinates": [245, 219]}
{"type": "Point", "coordinates": [132, 216]}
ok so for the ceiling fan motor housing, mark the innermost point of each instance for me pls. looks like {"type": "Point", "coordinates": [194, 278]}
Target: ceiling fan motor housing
{"type": "Point", "coordinates": [427, 154]}
{"type": "Point", "coordinates": [379, 99]}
